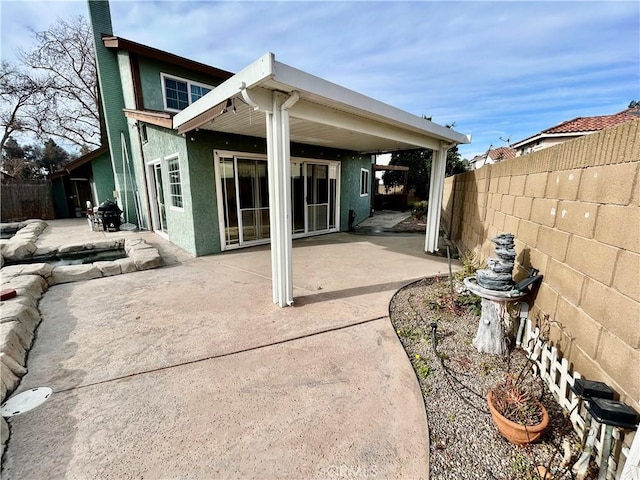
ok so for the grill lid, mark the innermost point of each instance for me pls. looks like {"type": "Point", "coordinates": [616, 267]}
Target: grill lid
{"type": "Point", "coordinates": [109, 206]}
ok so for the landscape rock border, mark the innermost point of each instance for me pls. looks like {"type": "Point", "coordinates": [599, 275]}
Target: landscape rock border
{"type": "Point", "coordinates": [19, 316]}
{"type": "Point", "coordinates": [23, 243]}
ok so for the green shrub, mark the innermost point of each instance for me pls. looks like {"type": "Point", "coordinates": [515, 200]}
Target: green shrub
{"type": "Point", "coordinates": [420, 209]}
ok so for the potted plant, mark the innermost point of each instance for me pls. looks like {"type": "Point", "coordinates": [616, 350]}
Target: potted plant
{"type": "Point", "coordinates": [519, 416]}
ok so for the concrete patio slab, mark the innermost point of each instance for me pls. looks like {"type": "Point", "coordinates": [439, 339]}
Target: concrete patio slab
{"type": "Point", "coordinates": [384, 219]}
{"type": "Point", "coordinates": [190, 371]}
{"type": "Point", "coordinates": [285, 411]}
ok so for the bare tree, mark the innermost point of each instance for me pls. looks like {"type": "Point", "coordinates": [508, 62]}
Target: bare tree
{"type": "Point", "coordinates": [64, 58]}
{"type": "Point", "coordinates": [21, 96]}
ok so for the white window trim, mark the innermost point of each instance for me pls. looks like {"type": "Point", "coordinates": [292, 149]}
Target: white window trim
{"type": "Point", "coordinates": [144, 133]}
{"type": "Point", "coordinates": [368, 183]}
{"type": "Point", "coordinates": [164, 76]}
{"type": "Point", "coordinates": [151, 192]}
{"type": "Point", "coordinates": [171, 206]}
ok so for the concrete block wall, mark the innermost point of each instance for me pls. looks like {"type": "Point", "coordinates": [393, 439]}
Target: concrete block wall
{"type": "Point", "coordinates": [574, 209]}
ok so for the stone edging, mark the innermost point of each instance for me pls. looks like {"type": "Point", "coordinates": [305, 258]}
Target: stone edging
{"type": "Point", "coordinates": [19, 316]}
{"type": "Point", "coordinates": [23, 244]}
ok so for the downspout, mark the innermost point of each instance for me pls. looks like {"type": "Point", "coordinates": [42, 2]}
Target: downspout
{"type": "Point", "coordinates": [290, 102]}
{"type": "Point", "coordinates": [247, 98]}
{"type": "Point", "coordinates": [144, 178]}
{"type": "Point", "coordinates": [278, 156]}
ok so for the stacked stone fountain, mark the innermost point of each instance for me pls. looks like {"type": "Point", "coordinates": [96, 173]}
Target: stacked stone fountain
{"type": "Point", "coordinates": [495, 286]}
{"type": "Point", "coordinates": [498, 275]}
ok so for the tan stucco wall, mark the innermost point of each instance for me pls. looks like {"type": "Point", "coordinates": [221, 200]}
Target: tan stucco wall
{"type": "Point", "coordinates": [574, 211]}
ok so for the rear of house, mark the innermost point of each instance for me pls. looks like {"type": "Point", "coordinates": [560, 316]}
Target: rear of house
{"type": "Point", "coordinates": [206, 187]}
{"type": "Point", "coordinates": [207, 191]}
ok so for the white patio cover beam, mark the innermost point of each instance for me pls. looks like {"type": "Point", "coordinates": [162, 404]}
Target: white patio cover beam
{"type": "Point", "coordinates": [436, 189]}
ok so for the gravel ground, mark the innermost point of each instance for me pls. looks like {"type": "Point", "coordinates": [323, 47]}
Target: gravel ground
{"type": "Point", "coordinates": [464, 443]}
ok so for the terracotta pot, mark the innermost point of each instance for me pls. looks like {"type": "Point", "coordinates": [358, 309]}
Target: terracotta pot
{"type": "Point", "coordinates": [514, 432]}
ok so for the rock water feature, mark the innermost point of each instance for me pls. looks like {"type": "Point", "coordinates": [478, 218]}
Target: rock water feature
{"type": "Point", "coordinates": [498, 275]}
{"type": "Point", "coordinates": [496, 287]}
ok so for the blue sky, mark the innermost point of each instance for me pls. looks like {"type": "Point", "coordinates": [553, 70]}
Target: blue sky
{"type": "Point", "coordinates": [496, 69]}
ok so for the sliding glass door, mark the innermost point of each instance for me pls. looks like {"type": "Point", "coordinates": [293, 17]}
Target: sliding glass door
{"type": "Point", "coordinates": [244, 198]}
{"type": "Point", "coordinates": [298, 204]}
{"type": "Point", "coordinates": [317, 197]}
{"type": "Point", "coordinates": [253, 196]}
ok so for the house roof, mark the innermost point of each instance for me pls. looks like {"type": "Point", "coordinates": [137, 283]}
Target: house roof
{"type": "Point", "coordinates": [496, 154]}
{"type": "Point", "coordinates": [583, 125]}
{"type": "Point", "coordinates": [150, 52]}
{"type": "Point", "coordinates": [154, 117]}
{"type": "Point", "coordinates": [594, 124]}
{"type": "Point", "coordinates": [323, 113]}
{"type": "Point", "coordinates": [78, 162]}
{"type": "Point", "coordinates": [501, 153]}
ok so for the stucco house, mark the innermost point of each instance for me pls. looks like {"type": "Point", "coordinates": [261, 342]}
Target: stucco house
{"type": "Point", "coordinates": [493, 155]}
{"type": "Point", "coordinates": [572, 129]}
{"type": "Point", "coordinates": [215, 161]}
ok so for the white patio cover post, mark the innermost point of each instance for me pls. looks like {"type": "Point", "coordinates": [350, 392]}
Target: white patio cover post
{"type": "Point", "coordinates": [436, 189]}
{"type": "Point", "coordinates": [279, 172]}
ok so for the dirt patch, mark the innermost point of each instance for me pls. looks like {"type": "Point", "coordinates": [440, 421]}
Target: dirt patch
{"type": "Point", "coordinates": [411, 224]}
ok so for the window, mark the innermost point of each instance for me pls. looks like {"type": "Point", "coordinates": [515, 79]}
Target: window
{"type": "Point", "coordinates": [197, 91]}
{"type": "Point", "coordinates": [176, 93]}
{"type": "Point", "coordinates": [364, 182]}
{"type": "Point", "coordinates": [175, 186]}
{"type": "Point", "coordinates": [180, 93]}
{"type": "Point", "coordinates": [143, 132]}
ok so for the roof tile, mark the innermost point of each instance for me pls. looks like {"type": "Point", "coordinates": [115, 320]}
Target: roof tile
{"type": "Point", "coordinates": [594, 124]}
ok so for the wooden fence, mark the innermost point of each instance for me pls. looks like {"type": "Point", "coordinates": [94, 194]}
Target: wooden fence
{"type": "Point", "coordinates": [24, 199]}
{"type": "Point", "coordinates": [556, 373]}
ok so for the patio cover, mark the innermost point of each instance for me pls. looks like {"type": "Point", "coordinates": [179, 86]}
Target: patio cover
{"type": "Point", "coordinates": [273, 100]}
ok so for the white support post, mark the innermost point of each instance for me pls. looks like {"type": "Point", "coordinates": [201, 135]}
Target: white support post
{"type": "Point", "coordinates": [279, 172]}
{"type": "Point", "coordinates": [436, 189]}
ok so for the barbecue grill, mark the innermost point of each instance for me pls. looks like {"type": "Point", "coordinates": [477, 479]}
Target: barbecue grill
{"type": "Point", "coordinates": [109, 214]}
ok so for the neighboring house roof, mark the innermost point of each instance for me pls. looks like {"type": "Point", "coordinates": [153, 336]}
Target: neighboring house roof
{"type": "Point", "coordinates": [594, 124]}
{"type": "Point", "coordinates": [582, 126]}
{"type": "Point", "coordinates": [501, 153]}
{"type": "Point", "coordinates": [495, 155]}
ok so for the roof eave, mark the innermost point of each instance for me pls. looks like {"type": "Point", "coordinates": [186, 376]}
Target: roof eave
{"type": "Point", "coordinates": [542, 136]}
{"type": "Point", "coordinates": [80, 161]}
{"type": "Point", "coordinates": [119, 43]}
{"type": "Point", "coordinates": [153, 117]}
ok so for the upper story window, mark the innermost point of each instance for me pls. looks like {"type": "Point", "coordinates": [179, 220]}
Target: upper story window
{"type": "Point", "coordinates": [179, 93]}
{"type": "Point", "coordinates": [198, 91]}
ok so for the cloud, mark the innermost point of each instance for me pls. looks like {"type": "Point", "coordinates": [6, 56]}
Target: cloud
{"type": "Point", "coordinates": [495, 68]}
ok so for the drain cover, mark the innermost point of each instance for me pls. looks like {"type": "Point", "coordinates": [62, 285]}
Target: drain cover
{"type": "Point", "coordinates": [25, 401]}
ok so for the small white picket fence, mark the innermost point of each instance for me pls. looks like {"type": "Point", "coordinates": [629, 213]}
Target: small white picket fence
{"type": "Point", "coordinates": [557, 375]}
